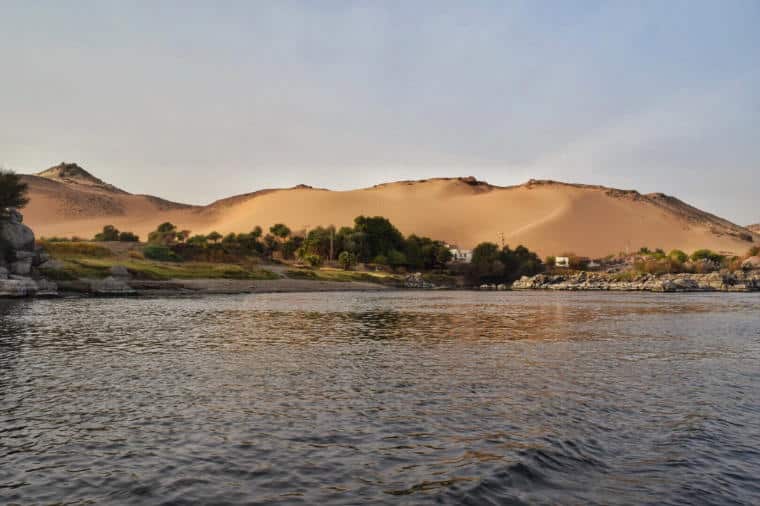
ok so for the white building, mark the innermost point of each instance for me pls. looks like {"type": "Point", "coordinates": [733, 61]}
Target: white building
{"type": "Point", "coordinates": [461, 255]}
{"type": "Point", "coordinates": [562, 262]}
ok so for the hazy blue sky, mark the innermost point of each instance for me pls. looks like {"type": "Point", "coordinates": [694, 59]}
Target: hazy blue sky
{"type": "Point", "coordinates": [198, 100]}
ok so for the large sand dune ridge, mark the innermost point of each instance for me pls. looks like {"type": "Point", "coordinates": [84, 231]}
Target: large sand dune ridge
{"type": "Point", "coordinates": [549, 217]}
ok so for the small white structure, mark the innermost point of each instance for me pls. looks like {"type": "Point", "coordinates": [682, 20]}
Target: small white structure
{"type": "Point", "coordinates": [562, 262]}
{"type": "Point", "coordinates": [460, 255]}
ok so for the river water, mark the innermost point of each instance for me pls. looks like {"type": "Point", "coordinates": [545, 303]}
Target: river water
{"type": "Point", "coordinates": [382, 398]}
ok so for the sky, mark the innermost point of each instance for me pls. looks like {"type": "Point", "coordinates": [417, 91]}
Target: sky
{"type": "Point", "coordinates": [195, 101]}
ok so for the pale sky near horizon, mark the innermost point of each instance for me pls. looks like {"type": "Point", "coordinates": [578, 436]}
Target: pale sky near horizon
{"type": "Point", "coordinates": [195, 101]}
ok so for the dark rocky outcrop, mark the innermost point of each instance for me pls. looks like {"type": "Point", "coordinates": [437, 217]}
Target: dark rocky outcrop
{"type": "Point", "coordinates": [20, 259]}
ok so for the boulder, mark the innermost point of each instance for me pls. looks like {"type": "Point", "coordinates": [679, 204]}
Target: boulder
{"type": "Point", "coordinates": [18, 236]}
{"type": "Point", "coordinates": [22, 266]}
{"type": "Point", "coordinates": [23, 287]}
{"type": "Point", "coordinates": [46, 288]}
{"type": "Point", "coordinates": [52, 264]}
{"type": "Point", "coordinates": [111, 286]}
{"type": "Point", "coordinates": [415, 280]}
{"type": "Point", "coordinates": [119, 271]}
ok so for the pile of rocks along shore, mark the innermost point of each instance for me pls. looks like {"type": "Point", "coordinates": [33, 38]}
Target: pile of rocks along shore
{"type": "Point", "coordinates": [20, 272]}
{"type": "Point", "coordinates": [724, 281]}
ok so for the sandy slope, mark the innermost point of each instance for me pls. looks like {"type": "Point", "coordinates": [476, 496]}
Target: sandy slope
{"type": "Point", "coordinates": [755, 228]}
{"type": "Point", "coordinates": [548, 217]}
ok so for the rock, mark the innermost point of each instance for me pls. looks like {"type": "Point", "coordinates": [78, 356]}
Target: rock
{"type": "Point", "coordinates": [52, 264]}
{"type": "Point", "coordinates": [46, 288]}
{"type": "Point", "coordinates": [751, 263]}
{"type": "Point", "coordinates": [416, 280]}
{"type": "Point", "coordinates": [41, 256]}
{"type": "Point", "coordinates": [501, 287]}
{"type": "Point", "coordinates": [738, 281]}
{"type": "Point", "coordinates": [24, 287]}
{"type": "Point", "coordinates": [14, 216]}
{"type": "Point", "coordinates": [18, 236]}
{"type": "Point", "coordinates": [119, 271]}
{"type": "Point", "coordinates": [111, 286]}
{"type": "Point", "coordinates": [22, 267]}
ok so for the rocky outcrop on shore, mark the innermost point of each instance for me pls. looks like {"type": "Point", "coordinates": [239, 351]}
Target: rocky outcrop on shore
{"type": "Point", "coordinates": [417, 282]}
{"type": "Point", "coordinates": [736, 281]}
{"type": "Point", "coordinates": [20, 259]}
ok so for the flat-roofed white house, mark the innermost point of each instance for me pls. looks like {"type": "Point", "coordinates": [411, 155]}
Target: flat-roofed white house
{"type": "Point", "coordinates": [562, 262]}
{"type": "Point", "coordinates": [460, 255]}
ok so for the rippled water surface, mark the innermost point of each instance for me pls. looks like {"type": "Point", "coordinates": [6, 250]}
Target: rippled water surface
{"type": "Point", "coordinates": [389, 398]}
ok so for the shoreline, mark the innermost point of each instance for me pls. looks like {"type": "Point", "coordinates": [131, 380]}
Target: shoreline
{"type": "Point", "coordinates": [714, 282]}
{"type": "Point", "coordinates": [179, 287]}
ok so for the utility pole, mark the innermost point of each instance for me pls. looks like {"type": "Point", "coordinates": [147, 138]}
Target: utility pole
{"type": "Point", "coordinates": [501, 239]}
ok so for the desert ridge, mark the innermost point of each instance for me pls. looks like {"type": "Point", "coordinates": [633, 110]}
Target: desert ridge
{"type": "Point", "coordinates": [547, 216]}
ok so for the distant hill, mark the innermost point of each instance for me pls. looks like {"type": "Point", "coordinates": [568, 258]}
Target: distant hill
{"type": "Point", "coordinates": [547, 216]}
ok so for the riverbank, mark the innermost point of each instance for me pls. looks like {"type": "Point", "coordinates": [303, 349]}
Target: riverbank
{"type": "Point", "coordinates": [211, 287]}
{"type": "Point", "coordinates": [734, 281]}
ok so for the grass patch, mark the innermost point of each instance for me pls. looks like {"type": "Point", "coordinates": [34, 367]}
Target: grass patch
{"type": "Point", "coordinates": [64, 250]}
{"type": "Point", "coordinates": [342, 276]}
{"type": "Point", "coordinates": [93, 267]}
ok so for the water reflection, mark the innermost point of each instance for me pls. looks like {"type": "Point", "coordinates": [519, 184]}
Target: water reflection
{"type": "Point", "coordinates": [461, 398]}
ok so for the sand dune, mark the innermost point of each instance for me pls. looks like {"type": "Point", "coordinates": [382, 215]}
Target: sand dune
{"type": "Point", "coordinates": [546, 216]}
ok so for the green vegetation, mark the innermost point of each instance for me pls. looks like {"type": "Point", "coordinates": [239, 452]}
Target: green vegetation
{"type": "Point", "coordinates": [86, 260]}
{"type": "Point", "coordinates": [159, 252]}
{"type": "Point", "coordinates": [346, 260]}
{"type": "Point", "coordinates": [679, 256]}
{"type": "Point", "coordinates": [706, 254]}
{"type": "Point", "coordinates": [371, 240]}
{"type": "Point", "coordinates": [75, 249]}
{"type": "Point", "coordinates": [492, 265]}
{"type": "Point", "coordinates": [343, 276]}
{"type": "Point", "coordinates": [111, 233]}
{"type": "Point", "coordinates": [13, 193]}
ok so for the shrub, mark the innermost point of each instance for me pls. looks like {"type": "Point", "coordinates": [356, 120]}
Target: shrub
{"type": "Point", "coordinates": [128, 237]}
{"type": "Point", "coordinates": [109, 233]}
{"type": "Point", "coordinates": [346, 260]}
{"type": "Point", "coordinates": [753, 251]}
{"type": "Point", "coordinates": [313, 260]}
{"type": "Point", "coordinates": [550, 261]}
{"type": "Point", "coordinates": [678, 256]}
{"type": "Point", "coordinates": [159, 252]}
{"type": "Point", "coordinates": [706, 254]}
{"type": "Point", "coordinates": [165, 234]}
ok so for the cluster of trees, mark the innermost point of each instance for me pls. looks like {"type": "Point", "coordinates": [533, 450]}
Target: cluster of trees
{"type": "Point", "coordinates": [13, 192]}
{"type": "Point", "coordinates": [493, 265]}
{"type": "Point", "coordinates": [111, 233]}
{"type": "Point", "coordinates": [371, 240]}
